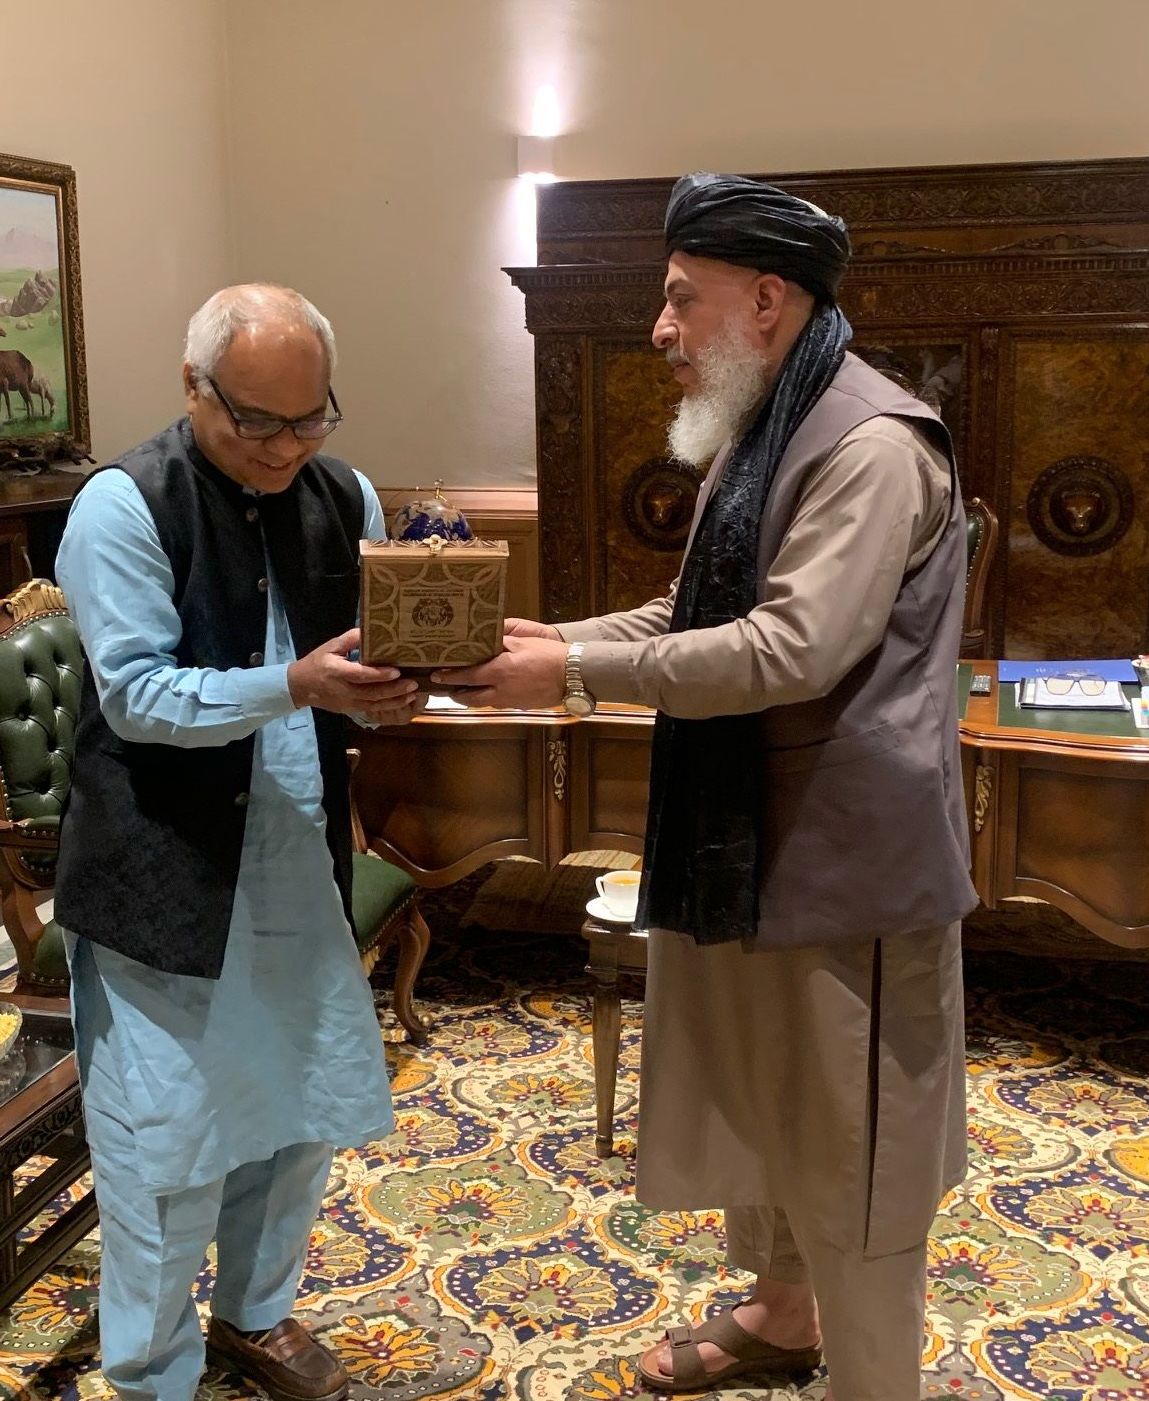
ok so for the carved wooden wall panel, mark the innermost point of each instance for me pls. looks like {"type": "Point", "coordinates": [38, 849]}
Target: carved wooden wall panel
{"type": "Point", "coordinates": [1077, 568]}
{"type": "Point", "coordinates": [645, 503]}
{"type": "Point", "coordinates": [563, 498]}
{"type": "Point", "coordinates": [1061, 207]}
{"type": "Point", "coordinates": [1016, 296]}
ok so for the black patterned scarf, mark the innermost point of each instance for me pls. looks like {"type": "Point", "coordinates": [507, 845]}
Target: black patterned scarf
{"type": "Point", "coordinates": [700, 869]}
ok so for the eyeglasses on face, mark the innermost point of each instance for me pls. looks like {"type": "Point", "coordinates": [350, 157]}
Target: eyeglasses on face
{"type": "Point", "coordinates": [1087, 685]}
{"type": "Point", "coordinates": [250, 425]}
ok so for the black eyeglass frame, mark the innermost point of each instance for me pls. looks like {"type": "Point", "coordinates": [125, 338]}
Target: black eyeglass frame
{"type": "Point", "coordinates": [329, 425]}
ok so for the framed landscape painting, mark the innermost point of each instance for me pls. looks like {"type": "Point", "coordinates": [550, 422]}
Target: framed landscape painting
{"type": "Point", "coordinates": [43, 390]}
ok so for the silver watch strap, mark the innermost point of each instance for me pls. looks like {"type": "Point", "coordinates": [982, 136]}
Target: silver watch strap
{"type": "Point", "coordinates": [574, 681]}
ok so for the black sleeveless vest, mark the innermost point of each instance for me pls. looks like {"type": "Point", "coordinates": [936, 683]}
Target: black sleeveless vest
{"type": "Point", "coordinates": [151, 838]}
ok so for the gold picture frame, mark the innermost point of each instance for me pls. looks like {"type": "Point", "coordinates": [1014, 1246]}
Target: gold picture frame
{"type": "Point", "coordinates": [43, 380]}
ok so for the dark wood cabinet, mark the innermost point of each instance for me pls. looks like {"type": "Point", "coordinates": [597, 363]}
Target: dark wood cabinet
{"type": "Point", "coordinates": [1015, 298]}
{"type": "Point", "coordinates": [33, 510]}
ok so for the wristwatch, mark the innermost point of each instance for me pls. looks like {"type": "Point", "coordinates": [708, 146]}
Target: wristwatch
{"type": "Point", "coordinates": [578, 700]}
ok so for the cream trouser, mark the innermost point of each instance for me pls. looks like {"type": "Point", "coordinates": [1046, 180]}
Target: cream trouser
{"type": "Point", "coordinates": [872, 1310]}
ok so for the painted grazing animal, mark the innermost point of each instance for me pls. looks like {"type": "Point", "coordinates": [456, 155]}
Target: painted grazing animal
{"type": "Point", "coordinates": [16, 373]}
{"type": "Point", "coordinates": [41, 386]}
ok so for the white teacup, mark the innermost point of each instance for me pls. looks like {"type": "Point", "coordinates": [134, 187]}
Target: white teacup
{"type": "Point", "coordinates": [619, 892]}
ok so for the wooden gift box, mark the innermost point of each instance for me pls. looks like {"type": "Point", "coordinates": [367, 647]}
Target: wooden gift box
{"type": "Point", "coordinates": [431, 603]}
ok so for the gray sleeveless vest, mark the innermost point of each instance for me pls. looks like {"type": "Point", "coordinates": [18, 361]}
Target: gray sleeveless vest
{"type": "Point", "coordinates": [152, 836]}
{"type": "Point", "coordinates": [864, 826]}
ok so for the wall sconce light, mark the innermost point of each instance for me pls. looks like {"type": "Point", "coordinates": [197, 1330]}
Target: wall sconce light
{"type": "Point", "coordinates": [537, 151]}
{"type": "Point", "coordinates": [537, 159]}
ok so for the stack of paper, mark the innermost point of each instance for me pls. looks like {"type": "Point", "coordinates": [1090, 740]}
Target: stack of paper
{"type": "Point", "coordinates": [1072, 693]}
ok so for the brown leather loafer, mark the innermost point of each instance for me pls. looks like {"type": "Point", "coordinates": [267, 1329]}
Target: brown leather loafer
{"type": "Point", "coordinates": [286, 1361]}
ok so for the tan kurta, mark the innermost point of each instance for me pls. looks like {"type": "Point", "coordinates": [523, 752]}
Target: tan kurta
{"type": "Point", "coordinates": [827, 1083]}
{"type": "Point", "coordinates": [862, 522]}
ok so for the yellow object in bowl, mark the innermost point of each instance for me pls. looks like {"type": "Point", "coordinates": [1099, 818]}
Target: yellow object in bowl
{"type": "Point", "coordinates": [11, 1020]}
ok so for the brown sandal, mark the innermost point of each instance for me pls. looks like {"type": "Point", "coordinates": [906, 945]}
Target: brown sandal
{"type": "Point", "coordinates": [751, 1354]}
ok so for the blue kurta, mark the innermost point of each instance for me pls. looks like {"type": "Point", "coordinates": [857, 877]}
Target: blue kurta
{"type": "Point", "coordinates": [285, 1047]}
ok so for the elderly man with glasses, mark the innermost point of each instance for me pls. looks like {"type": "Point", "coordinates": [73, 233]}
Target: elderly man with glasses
{"type": "Point", "coordinates": [226, 1036]}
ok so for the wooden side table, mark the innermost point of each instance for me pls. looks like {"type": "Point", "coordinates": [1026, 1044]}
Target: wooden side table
{"type": "Point", "coordinates": [614, 949]}
{"type": "Point", "coordinates": [40, 1116]}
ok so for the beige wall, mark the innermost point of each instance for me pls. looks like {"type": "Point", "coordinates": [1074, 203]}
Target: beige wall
{"type": "Point", "coordinates": [662, 86]}
{"type": "Point", "coordinates": [382, 183]}
{"type": "Point", "coordinates": [383, 188]}
{"type": "Point", "coordinates": [364, 151]}
{"type": "Point", "coordinates": [130, 93]}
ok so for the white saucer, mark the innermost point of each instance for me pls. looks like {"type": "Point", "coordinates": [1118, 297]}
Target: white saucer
{"type": "Point", "coordinates": [599, 909]}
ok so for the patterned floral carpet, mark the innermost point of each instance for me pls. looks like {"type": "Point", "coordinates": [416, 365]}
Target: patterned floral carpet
{"type": "Point", "coordinates": [484, 1252]}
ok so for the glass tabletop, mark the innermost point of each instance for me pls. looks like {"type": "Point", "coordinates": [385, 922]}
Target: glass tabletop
{"type": "Point", "coordinates": [45, 1040]}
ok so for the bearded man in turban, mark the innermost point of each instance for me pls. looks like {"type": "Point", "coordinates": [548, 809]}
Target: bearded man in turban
{"type": "Point", "coordinates": [806, 864]}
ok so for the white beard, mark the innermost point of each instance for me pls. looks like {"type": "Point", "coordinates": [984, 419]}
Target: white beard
{"type": "Point", "coordinates": [733, 380]}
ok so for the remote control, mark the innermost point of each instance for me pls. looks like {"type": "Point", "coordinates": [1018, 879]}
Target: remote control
{"type": "Point", "coordinates": [981, 685]}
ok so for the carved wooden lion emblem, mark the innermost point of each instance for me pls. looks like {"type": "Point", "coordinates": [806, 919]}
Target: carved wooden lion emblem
{"type": "Point", "coordinates": [658, 502]}
{"type": "Point", "coordinates": [1081, 506]}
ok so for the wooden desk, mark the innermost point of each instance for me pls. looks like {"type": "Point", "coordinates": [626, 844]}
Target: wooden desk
{"type": "Point", "coordinates": [1062, 816]}
{"type": "Point", "coordinates": [1057, 815]}
{"type": "Point", "coordinates": [451, 791]}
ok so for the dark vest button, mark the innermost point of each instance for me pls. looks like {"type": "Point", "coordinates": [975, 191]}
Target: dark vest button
{"type": "Point", "coordinates": [242, 799]}
{"type": "Point", "coordinates": [262, 585]}
{"type": "Point", "coordinates": [251, 514]}
{"type": "Point", "coordinates": [256, 659]}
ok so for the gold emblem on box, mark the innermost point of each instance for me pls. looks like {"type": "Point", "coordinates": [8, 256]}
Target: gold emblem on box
{"type": "Point", "coordinates": [430, 603]}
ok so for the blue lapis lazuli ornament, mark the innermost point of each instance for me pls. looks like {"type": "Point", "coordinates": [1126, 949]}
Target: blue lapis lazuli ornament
{"type": "Point", "coordinates": [420, 520]}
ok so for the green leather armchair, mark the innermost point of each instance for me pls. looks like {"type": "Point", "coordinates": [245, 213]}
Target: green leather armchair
{"type": "Point", "coordinates": [41, 666]}
{"type": "Point", "coordinates": [981, 543]}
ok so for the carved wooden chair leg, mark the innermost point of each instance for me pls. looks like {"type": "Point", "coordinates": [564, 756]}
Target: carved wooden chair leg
{"type": "Point", "coordinates": [414, 939]}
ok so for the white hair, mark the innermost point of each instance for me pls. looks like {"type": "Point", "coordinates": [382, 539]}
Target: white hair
{"type": "Point", "coordinates": [734, 378]}
{"type": "Point", "coordinates": [213, 327]}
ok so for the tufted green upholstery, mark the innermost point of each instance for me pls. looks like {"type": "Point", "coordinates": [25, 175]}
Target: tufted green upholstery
{"type": "Point", "coordinates": [379, 892]}
{"type": "Point", "coordinates": [385, 907]}
{"type": "Point", "coordinates": [41, 664]}
{"type": "Point", "coordinates": [981, 544]}
{"type": "Point", "coordinates": [49, 961]}
{"type": "Point", "coordinates": [974, 534]}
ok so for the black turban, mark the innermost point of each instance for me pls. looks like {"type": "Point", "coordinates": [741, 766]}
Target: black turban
{"type": "Point", "coordinates": [758, 226]}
